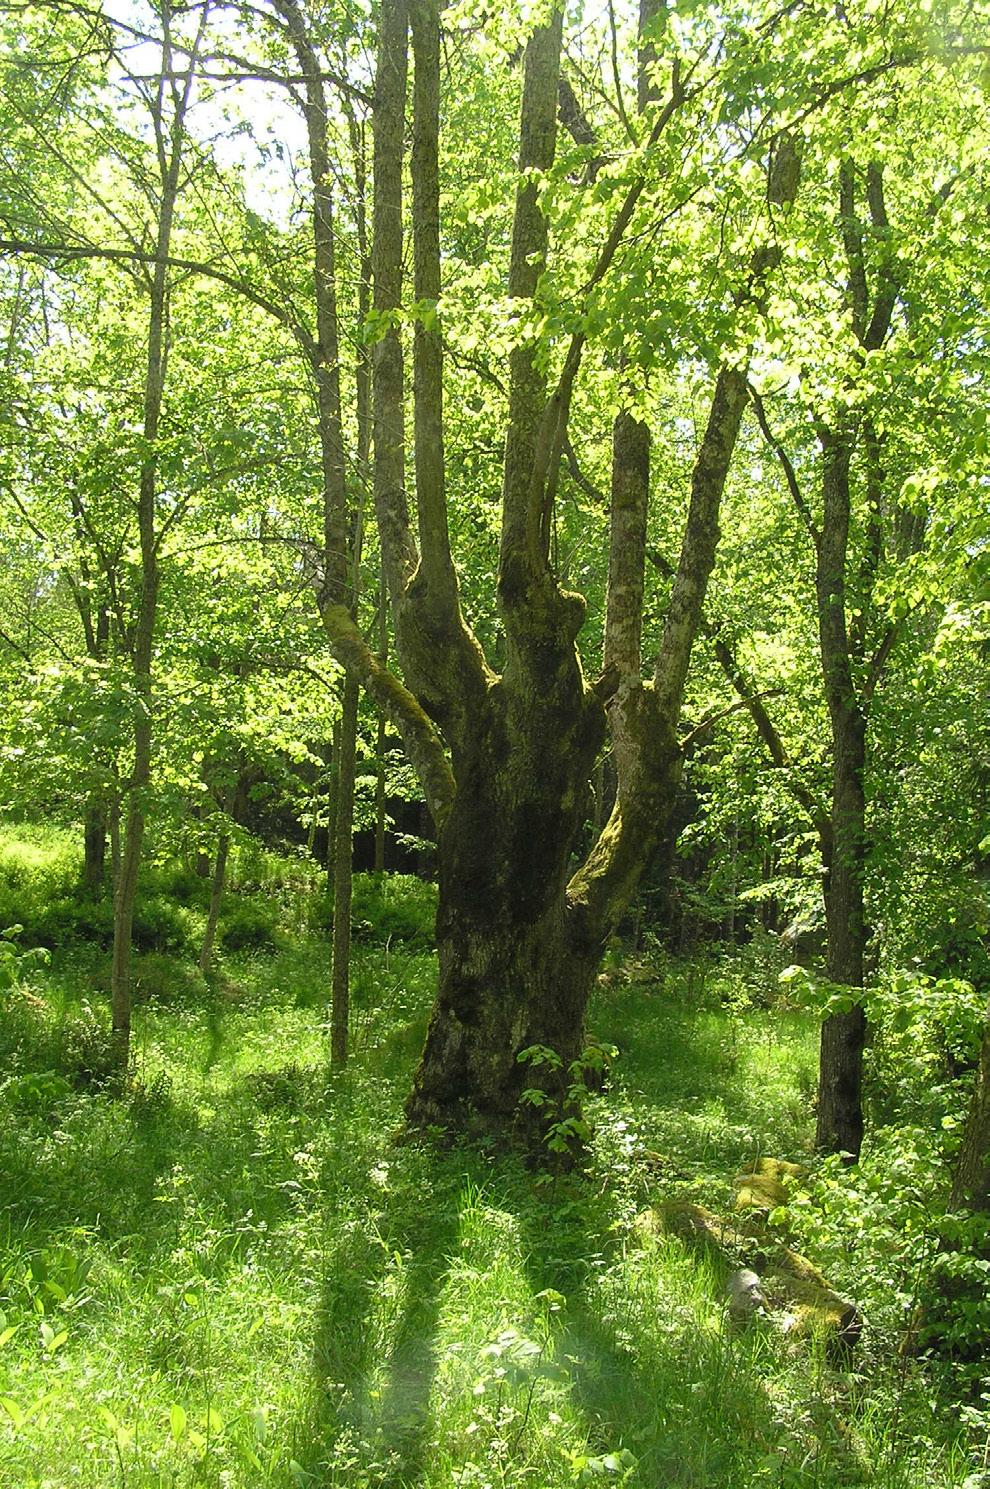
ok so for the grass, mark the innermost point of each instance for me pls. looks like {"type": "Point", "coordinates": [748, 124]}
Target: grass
{"type": "Point", "coordinates": [230, 1275]}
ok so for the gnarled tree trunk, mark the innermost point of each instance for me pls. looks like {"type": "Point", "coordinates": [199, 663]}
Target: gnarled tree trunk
{"type": "Point", "coordinates": [514, 968]}
{"type": "Point", "coordinates": [505, 759]}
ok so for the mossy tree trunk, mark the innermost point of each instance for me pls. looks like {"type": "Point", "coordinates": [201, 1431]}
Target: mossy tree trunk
{"type": "Point", "coordinates": [505, 758]}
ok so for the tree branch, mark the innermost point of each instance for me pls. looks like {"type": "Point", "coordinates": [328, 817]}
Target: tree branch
{"type": "Point", "coordinates": [71, 251]}
{"type": "Point", "coordinates": [421, 740]}
{"type": "Point", "coordinates": [690, 740]}
{"type": "Point", "coordinates": [786, 466]}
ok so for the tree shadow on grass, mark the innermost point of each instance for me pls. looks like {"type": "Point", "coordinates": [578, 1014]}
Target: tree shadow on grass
{"type": "Point", "coordinates": [141, 1172]}
{"type": "Point", "coordinates": [217, 1037]}
{"type": "Point", "coordinates": [655, 1376]}
{"type": "Point", "coordinates": [375, 1352]}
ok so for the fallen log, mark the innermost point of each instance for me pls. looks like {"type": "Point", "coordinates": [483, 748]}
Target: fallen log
{"type": "Point", "coordinates": [796, 1295]}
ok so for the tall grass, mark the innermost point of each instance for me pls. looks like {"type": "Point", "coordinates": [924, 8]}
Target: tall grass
{"type": "Point", "coordinates": [229, 1273]}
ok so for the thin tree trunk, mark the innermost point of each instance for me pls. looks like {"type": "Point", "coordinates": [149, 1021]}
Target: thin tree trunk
{"type": "Point", "coordinates": [169, 143]}
{"type": "Point", "coordinates": [381, 815]}
{"type": "Point", "coordinates": [840, 1107]}
{"type": "Point", "coordinates": [381, 736]}
{"type": "Point", "coordinates": [333, 807]}
{"type": "Point", "coordinates": [113, 819]}
{"type": "Point", "coordinates": [840, 1103]}
{"type": "Point", "coordinates": [217, 887]}
{"type": "Point", "coordinates": [342, 876]}
{"type": "Point", "coordinates": [971, 1182]}
{"type": "Point", "coordinates": [341, 552]}
{"type": "Point", "coordinates": [133, 831]}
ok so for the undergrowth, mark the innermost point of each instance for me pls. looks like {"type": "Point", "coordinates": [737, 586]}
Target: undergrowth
{"type": "Point", "coordinates": [226, 1272]}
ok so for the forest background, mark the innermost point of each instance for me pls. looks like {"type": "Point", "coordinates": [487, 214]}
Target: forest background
{"type": "Point", "coordinates": [573, 421]}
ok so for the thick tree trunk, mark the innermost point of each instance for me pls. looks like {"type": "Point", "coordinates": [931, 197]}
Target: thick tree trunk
{"type": "Point", "coordinates": [519, 931]}
{"type": "Point", "coordinates": [516, 966]}
{"type": "Point", "coordinates": [94, 846]}
{"type": "Point", "coordinates": [504, 986]}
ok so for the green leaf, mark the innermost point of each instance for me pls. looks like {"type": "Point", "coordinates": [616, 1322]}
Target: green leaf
{"type": "Point", "coordinates": [14, 1412]}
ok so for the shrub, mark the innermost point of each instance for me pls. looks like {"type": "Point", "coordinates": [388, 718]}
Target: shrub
{"type": "Point", "coordinates": [151, 1100]}
{"type": "Point", "coordinates": [77, 917]}
{"type": "Point", "coordinates": [27, 1034]}
{"type": "Point", "coordinates": [249, 927]}
{"type": "Point", "coordinates": [38, 862]}
{"type": "Point", "coordinates": [87, 1055]}
{"type": "Point", "coordinates": [159, 978]}
{"type": "Point", "coordinates": [161, 926]}
{"type": "Point", "coordinates": [179, 882]}
{"type": "Point", "coordinates": [388, 907]}
{"type": "Point", "coordinates": [35, 1092]}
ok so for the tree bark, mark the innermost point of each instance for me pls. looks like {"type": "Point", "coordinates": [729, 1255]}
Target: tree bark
{"type": "Point", "coordinates": [133, 830]}
{"type": "Point", "coordinates": [94, 846]}
{"type": "Point", "coordinates": [217, 887]}
{"type": "Point", "coordinates": [971, 1182]}
{"type": "Point", "coordinates": [515, 965]}
{"type": "Point", "coordinates": [342, 876]}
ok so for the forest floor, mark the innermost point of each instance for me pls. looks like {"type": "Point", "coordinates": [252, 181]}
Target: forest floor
{"type": "Point", "coordinates": [228, 1273]}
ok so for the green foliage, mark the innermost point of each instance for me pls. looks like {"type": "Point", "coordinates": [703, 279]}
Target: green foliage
{"type": "Point", "coordinates": [39, 872]}
{"type": "Point", "coordinates": [168, 980]}
{"type": "Point", "coordinates": [225, 1267]}
{"type": "Point", "coordinates": [86, 1047]}
{"type": "Point", "coordinates": [16, 965]}
{"type": "Point", "coordinates": [388, 908]}
{"type": "Point", "coordinates": [566, 1127]}
{"type": "Point", "coordinates": [925, 1029]}
{"type": "Point", "coordinates": [248, 926]}
{"type": "Point", "coordinates": [161, 926]}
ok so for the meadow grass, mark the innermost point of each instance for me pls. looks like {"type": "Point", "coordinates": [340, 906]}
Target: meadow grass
{"type": "Point", "coordinates": [228, 1273]}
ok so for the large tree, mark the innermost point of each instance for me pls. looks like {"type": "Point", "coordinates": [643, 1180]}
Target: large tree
{"type": "Point", "coordinates": [627, 253]}
{"type": "Point", "coordinates": [505, 753]}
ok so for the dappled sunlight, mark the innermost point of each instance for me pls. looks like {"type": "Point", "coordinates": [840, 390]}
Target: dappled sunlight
{"type": "Point", "coordinates": [234, 1270]}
